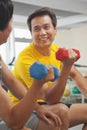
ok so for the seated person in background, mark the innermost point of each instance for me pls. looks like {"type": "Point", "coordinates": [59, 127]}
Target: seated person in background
{"type": "Point", "coordinates": [42, 24]}
{"type": "Point", "coordinates": [16, 115]}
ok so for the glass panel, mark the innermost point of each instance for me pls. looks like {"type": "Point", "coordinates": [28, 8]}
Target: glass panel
{"type": "Point", "coordinates": [19, 47]}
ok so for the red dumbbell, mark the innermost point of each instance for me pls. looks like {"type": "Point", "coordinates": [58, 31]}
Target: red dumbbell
{"type": "Point", "coordinates": [62, 54]}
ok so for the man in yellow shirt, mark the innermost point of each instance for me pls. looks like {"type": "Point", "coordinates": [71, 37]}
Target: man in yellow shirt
{"type": "Point", "coordinates": [42, 24]}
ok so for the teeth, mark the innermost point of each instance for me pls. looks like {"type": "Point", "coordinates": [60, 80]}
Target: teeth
{"type": "Point", "coordinates": [43, 39]}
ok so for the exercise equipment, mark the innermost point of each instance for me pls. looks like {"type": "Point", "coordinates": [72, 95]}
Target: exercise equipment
{"type": "Point", "coordinates": [62, 54]}
{"type": "Point", "coordinates": [39, 71]}
{"type": "Point", "coordinates": [75, 90]}
{"type": "Point", "coordinates": [66, 92]}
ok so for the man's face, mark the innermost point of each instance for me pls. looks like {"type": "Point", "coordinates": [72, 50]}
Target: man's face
{"type": "Point", "coordinates": [43, 31]}
{"type": "Point", "coordinates": [5, 33]}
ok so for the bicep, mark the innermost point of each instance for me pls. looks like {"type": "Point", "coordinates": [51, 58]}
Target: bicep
{"type": "Point", "coordinates": [6, 74]}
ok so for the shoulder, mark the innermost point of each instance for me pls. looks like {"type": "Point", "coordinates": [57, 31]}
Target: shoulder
{"type": "Point", "coordinates": [54, 47]}
{"type": "Point", "coordinates": [26, 55]}
{"type": "Point", "coordinates": [26, 50]}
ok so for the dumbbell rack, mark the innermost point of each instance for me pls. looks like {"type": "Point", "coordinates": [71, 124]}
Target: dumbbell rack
{"type": "Point", "coordinates": [74, 98]}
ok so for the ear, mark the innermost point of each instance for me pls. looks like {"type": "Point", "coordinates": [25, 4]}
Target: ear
{"type": "Point", "coordinates": [0, 32]}
{"type": "Point", "coordinates": [55, 31]}
{"type": "Point", "coordinates": [1, 37]}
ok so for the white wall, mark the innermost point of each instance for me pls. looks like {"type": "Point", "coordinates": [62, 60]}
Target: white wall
{"type": "Point", "coordinates": [79, 127]}
{"type": "Point", "coordinates": [74, 38]}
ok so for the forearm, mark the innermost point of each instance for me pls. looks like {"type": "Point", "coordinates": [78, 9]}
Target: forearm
{"type": "Point", "coordinates": [56, 90]}
{"type": "Point", "coordinates": [18, 89]}
{"type": "Point", "coordinates": [22, 111]}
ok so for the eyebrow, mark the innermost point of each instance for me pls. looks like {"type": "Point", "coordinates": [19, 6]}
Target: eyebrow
{"type": "Point", "coordinates": [42, 25]}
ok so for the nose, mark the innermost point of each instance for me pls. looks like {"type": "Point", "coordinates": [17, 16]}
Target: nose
{"type": "Point", "coordinates": [42, 32]}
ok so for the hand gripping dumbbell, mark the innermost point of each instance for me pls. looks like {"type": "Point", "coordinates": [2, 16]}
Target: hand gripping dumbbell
{"type": "Point", "coordinates": [39, 71]}
{"type": "Point", "coordinates": [62, 54]}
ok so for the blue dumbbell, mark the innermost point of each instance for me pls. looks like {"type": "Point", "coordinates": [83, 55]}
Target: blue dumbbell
{"type": "Point", "coordinates": [39, 71]}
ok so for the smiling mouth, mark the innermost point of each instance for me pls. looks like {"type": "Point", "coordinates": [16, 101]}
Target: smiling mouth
{"type": "Point", "coordinates": [44, 39]}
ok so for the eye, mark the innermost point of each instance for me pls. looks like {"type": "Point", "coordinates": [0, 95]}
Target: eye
{"type": "Point", "coordinates": [46, 26]}
{"type": "Point", "coordinates": [36, 29]}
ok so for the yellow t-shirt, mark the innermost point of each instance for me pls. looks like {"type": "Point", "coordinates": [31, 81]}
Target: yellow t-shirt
{"type": "Point", "coordinates": [26, 58]}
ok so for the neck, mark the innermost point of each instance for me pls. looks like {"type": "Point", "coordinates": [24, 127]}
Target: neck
{"type": "Point", "coordinates": [43, 51]}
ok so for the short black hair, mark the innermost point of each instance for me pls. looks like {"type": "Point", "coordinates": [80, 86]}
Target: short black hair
{"type": "Point", "coordinates": [41, 12]}
{"type": "Point", "coordinates": [6, 12]}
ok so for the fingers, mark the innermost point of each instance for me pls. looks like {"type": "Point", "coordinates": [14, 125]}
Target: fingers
{"type": "Point", "coordinates": [77, 52]}
{"type": "Point", "coordinates": [54, 71]}
{"type": "Point", "coordinates": [74, 54]}
{"type": "Point", "coordinates": [50, 74]}
{"type": "Point", "coordinates": [47, 120]}
{"type": "Point", "coordinates": [52, 119]}
{"type": "Point", "coordinates": [57, 121]}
